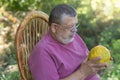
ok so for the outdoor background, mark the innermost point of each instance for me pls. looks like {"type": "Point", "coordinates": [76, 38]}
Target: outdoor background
{"type": "Point", "coordinates": [99, 24]}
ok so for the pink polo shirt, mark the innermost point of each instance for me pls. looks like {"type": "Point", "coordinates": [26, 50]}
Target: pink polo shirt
{"type": "Point", "coordinates": [51, 60]}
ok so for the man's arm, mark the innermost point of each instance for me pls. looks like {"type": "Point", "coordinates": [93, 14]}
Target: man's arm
{"type": "Point", "coordinates": [86, 69]}
{"type": "Point", "coordinates": [75, 76]}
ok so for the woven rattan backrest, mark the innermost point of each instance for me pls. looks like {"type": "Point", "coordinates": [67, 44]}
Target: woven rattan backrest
{"type": "Point", "coordinates": [30, 31]}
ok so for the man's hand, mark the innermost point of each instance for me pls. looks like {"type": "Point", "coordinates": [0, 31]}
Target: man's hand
{"type": "Point", "coordinates": [89, 67]}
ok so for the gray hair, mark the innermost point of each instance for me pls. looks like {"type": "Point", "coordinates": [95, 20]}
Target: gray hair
{"type": "Point", "coordinates": [58, 11]}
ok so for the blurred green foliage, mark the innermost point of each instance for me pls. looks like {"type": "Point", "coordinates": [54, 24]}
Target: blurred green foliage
{"type": "Point", "coordinates": [99, 24]}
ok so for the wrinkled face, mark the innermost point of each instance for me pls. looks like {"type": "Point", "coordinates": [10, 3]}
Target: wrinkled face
{"type": "Point", "coordinates": [65, 31]}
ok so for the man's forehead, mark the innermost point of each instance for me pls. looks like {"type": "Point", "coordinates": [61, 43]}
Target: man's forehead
{"type": "Point", "coordinates": [68, 20]}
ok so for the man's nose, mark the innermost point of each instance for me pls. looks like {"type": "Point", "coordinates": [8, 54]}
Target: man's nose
{"type": "Point", "coordinates": [74, 29]}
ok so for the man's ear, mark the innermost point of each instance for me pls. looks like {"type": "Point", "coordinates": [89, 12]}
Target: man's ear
{"type": "Point", "coordinates": [53, 27]}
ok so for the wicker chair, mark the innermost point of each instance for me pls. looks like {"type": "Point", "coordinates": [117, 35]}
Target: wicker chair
{"type": "Point", "coordinates": [29, 32]}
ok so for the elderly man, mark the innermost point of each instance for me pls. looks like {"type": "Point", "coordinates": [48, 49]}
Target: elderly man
{"type": "Point", "coordinates": [62, 54]}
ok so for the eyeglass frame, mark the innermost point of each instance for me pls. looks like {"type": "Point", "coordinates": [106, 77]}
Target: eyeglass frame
{"type": "Point", "coordinates": [70, 28]}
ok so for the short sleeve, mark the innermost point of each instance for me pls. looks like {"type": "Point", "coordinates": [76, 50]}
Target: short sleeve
{"type": "Point", "coordinates": [42, 66]}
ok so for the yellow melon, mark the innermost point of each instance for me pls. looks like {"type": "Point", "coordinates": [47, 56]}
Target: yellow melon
{"type": "Point", "coordinates": [100, 51]}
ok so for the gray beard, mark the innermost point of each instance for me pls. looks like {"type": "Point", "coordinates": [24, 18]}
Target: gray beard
{"type": "Point", "coordinates": [65, 41]}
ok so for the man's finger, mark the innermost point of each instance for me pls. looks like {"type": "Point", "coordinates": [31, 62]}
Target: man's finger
{"type": "Point", "coordinates": [96, 60]}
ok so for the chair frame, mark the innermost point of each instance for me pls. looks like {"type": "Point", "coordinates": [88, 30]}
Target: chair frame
{"type": "Point", "coordinates": [20, 47]}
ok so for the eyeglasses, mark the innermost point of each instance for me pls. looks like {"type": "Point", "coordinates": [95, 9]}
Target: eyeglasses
{"type": "Point", "coordinates": [70, 28]}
